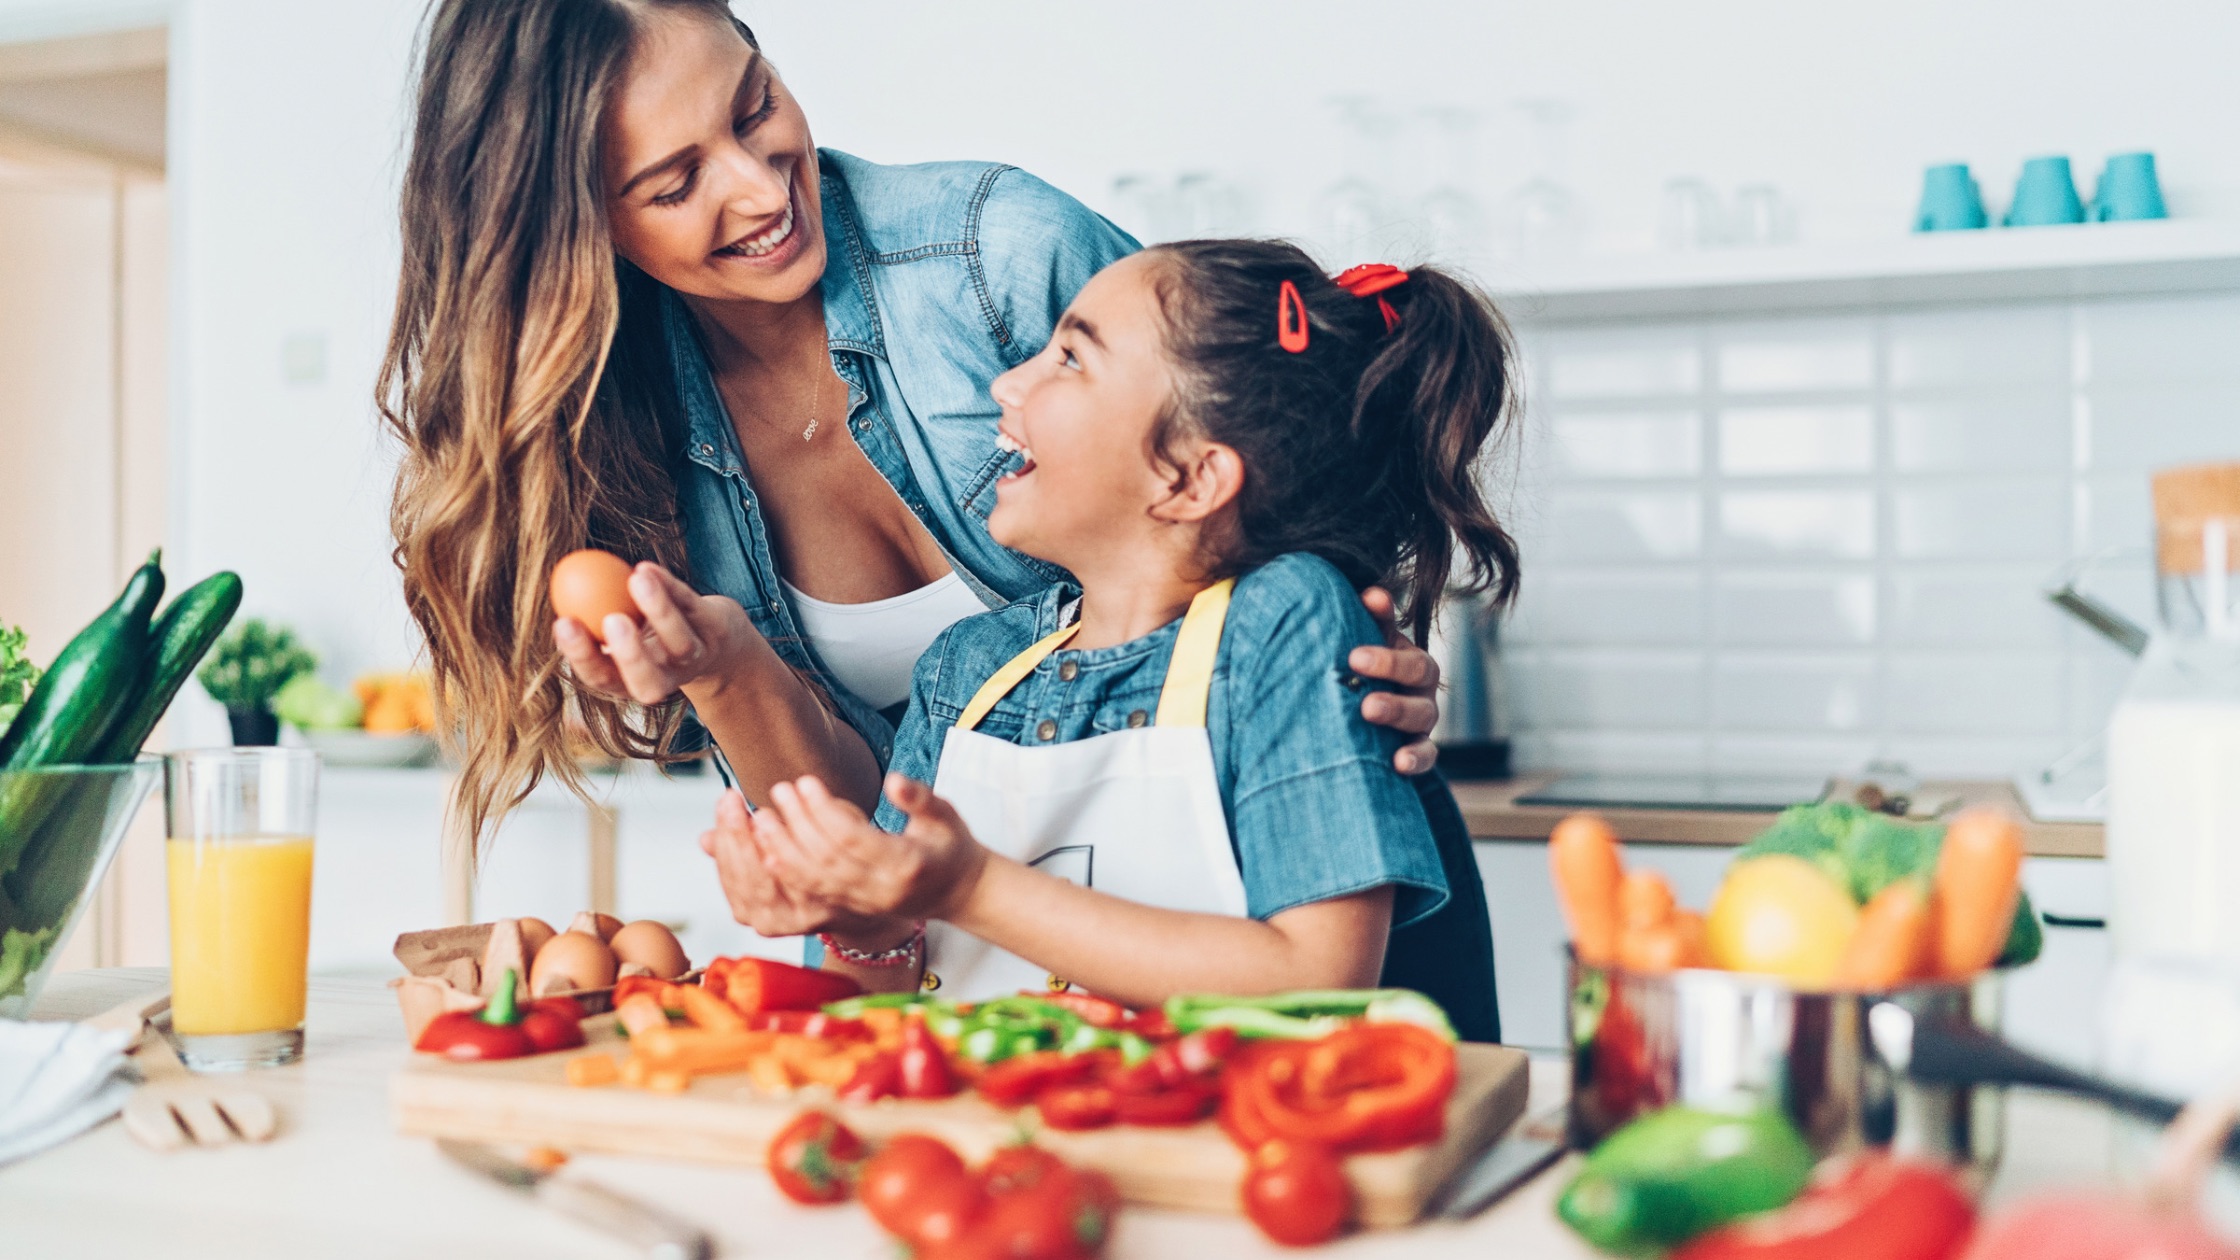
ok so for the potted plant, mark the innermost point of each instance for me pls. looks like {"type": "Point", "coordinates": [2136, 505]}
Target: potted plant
{"type": "Point", "coordinates": [246, 669]}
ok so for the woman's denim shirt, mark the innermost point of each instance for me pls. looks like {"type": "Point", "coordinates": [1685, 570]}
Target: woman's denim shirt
{"type": "Point", "coordinates": [939, 278]}
{"type": "Point", "coordinates": [1314, 807]}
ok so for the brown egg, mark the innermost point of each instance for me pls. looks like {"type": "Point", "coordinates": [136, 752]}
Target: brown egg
{"type": "Point", "coordinates": [591, 585]}
{"type": "Point", "coordinates": [653, 946]}
{"type": "Point", "coordinates": [592, 923]}
{"type": "Point", "coordinates": [534, 933]}
{"type": "Point", "coordinates": [571, 961]}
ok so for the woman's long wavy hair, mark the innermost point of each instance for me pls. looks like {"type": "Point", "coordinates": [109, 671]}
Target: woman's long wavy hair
{"type": "Point", "coordinates": [527, 380]}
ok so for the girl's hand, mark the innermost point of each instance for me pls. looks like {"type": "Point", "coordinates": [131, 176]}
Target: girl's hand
{"type": "Point", "coordinates": [757, 900]}
{"type": "Point", "coordinates": [824, 849]}
{"type": "Point", "coordinates": [689, 640]}
{"type": "Point", "coordinates": [1412, 710]}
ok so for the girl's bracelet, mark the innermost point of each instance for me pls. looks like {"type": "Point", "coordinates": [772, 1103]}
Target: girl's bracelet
{"type": "Point", "coordinates": [904, 955]}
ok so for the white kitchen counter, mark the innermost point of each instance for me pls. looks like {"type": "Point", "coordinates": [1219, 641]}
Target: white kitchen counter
{"type": "Point", "coordinates": [338, 1182]}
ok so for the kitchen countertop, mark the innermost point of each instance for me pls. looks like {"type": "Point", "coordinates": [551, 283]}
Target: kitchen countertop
{"type": "Point", "coordinates": [338, 1182]}
{"type": "Point", "coordinates": [1491, 810]}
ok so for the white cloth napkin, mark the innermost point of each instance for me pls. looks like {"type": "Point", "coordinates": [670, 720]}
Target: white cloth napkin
{"type": "Point", "coordinates": [57, 1080]}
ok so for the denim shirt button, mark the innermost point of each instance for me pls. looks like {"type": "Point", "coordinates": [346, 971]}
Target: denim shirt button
{"type": "Point", "coordinates": [1069, 670]}
{"type": "Point", "coordinates": [706, 449]}
{"type": "Point", "coordinates": [1138, 718]}
{"type": "Point", "coordinates": [1046, 730]}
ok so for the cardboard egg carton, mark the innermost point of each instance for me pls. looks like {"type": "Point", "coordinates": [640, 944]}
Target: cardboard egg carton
{"type": "Point", "coordinates": [457, 969]}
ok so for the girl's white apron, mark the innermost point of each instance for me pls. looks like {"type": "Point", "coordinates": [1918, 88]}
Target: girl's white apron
{"type": "Point", "coordinates": [1136, 813]}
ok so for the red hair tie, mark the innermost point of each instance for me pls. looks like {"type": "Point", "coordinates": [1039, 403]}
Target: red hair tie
{"type": "Point", "coordinates": [1371, 280]}
{"type": "Point", "coordinates": [1291, 319]}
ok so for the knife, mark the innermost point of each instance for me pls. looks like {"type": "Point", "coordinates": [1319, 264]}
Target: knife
{"type": "Point", "coordinates": [1506, 1165]}
{"type": "Point", "coordinates": [653, 1231]}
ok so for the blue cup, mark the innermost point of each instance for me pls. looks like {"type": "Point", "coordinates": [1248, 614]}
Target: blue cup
{"type": "Point", "coordinates": [1951, 201]}
{"type": "Point", "coordinates": [2045, 194]}
{"type": "Point", "coordinates": [2128, 189]}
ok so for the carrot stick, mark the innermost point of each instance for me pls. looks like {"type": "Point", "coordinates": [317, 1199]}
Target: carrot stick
{"type": "Point", "coordinates": [593, 1069]}
{"type": "Point", "coordinates": [699, 1049]}
{"type": "Point", "coordinates": [1583, 857]}
{"type": "Point", "coordinates": [1979, 878]}
{"type": "Point", "coordinates": [706, 1010]}
{"type": "Point", "coordinates": [641, 1013]}
{"type": "Point", "coordinates": [1892, 941]}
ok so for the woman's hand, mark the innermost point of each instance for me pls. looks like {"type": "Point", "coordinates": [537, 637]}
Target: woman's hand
{"type": "Point", "coordinates": [823, 849]}
{"type": "Point", "coordinates": [1412, 710]}
{"type": "Point", "coordinates": [689, 640]}
{"type": "Point", "coordinates": [757, 900]}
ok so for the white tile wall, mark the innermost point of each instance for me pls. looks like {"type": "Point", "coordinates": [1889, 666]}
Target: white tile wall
{"type": "Point", "coordinates": [1803, 543]}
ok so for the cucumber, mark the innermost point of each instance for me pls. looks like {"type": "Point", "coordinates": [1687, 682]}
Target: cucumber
{"type": "Point", "coordinates": [178, 641]}
{"type": "Point", "coordinates": [90, 686]}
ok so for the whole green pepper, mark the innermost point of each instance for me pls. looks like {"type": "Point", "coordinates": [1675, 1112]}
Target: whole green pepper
{"type": "Point", "coordinates": [1678, 1172]}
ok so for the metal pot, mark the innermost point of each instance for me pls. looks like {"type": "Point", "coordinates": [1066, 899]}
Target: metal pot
{"type": "Point", "coordinates": [1711, 1038]}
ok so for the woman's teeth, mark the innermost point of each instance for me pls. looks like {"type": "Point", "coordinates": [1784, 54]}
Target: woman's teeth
{"type": "Point", "coordinates": [762, 242]}
{"type": "Point", "coordinates": [1005, 442]}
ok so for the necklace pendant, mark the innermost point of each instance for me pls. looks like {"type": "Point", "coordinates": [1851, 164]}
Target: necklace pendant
{"type": "Point", "coordinates": [811, 431]}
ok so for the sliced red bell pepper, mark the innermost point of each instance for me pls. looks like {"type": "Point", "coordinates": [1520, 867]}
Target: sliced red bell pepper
{"type": "Point", "coordinates": [1019, 1079]}
{"type": "Point", "coordinates": [1102, 1012]}
{"type": "Point", "coordinates": [810, 1024]}
{"type": "Point", "coordinates": [1177, 1105]}
{"type": "Point", "coordinates": [1151, 1025]}
{"type": "Point", "coordinates": [755, 985]}
{"type": "Point", "coordinates": [922, 1063]}
{"type": "Point", "coordinates": [1870, 1207]}
{"type": "Point", "coordinates": [1371, 1087]}
{"type": "Point", "coordinates": [666, 993]}
{"type": "Point", "coordinates": [554, 1023]}
{"type": "Point", "coordinates": [1072, 1107]}
{"type": "Point", "coordinates": [877, 1077]}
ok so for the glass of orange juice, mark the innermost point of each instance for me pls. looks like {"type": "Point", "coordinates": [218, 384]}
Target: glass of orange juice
{"type": "Point", "coordinates": [239, 856]}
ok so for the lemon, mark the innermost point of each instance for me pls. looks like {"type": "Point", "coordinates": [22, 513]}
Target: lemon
{"type": "Point", "coordinates": [1780, 916]}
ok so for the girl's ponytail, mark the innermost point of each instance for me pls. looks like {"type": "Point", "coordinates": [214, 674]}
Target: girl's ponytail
{"type": "Point", "coordinates": [1362, 445]}
{"type": "Point", "coordinates": [1441, 386]}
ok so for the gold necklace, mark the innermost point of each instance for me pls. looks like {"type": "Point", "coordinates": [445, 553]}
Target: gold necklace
{"type": "Point", "coordinates": [816, 401]}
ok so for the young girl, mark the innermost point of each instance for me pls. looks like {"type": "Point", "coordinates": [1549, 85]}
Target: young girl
{"type": "Point", "coordinates": [1161, 782]}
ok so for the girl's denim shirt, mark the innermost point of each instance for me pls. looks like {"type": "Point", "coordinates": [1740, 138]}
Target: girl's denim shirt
{"type": "Point", "coordinates": [939, 278]}
{"type": "Point", "coordinates": [1314, 807]}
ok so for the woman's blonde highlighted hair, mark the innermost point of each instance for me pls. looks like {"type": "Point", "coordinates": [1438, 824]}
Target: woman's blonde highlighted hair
{"type": "Point", "coordinates": [528, 382]}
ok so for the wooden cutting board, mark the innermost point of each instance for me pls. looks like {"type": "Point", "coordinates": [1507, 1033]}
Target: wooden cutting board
{"type": "Point", "coordinates": [723, 1119]}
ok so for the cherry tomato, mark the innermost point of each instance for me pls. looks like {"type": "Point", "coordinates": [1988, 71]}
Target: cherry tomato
{"type": "Point", "coordinates": [941, 1211]}
{"type": "Point", "coordinates": [901, 1172]}
{"type": "Point", "coordinates": [815, 1158]}
{"type": "Point", "coordinates": [1296, 1193]}
{"type": "Point", "coordinates": [1013, 1169]}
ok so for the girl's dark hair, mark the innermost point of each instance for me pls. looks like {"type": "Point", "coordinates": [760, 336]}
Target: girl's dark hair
{"type": "Point", "coordinates": [1363, 449]}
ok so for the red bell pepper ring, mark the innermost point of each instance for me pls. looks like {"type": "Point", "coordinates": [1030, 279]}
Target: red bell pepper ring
{"type": "Point", "coordinates": [877, 1077]}
{"type": "Point", "coordinates": [1018, 1080]}
{"type": "Point", "coordinates": [755, 985]}
{"type": "Point", "coordinates": [1179, 1105]}
{"type": "Point", "coordinates": [922, 1063]}
{"type": "Point", "coordinates": [1075, 1107]}
{"type": "Point", "coordinates": [1372, 1087]}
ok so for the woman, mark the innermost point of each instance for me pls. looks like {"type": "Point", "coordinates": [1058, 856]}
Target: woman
{"type": "Point", "coordinates": [629, 278]}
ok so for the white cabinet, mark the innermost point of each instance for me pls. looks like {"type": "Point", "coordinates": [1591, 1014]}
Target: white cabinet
{"type": "Point", "coordinates": [2051, 1006]}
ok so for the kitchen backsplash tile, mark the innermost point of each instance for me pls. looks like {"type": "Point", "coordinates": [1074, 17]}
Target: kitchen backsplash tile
{"type": "Point", "coordinates": [1773, 544]}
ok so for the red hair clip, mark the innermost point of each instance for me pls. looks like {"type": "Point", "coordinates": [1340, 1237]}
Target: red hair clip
{"type": "Point", "coordinates": [1291, 319]}
{"type": "Point", "coordinates": [1371, 280]}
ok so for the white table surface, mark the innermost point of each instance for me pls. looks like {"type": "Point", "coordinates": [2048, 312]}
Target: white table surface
{"type": "Point", "coordinates": [339, 1182]}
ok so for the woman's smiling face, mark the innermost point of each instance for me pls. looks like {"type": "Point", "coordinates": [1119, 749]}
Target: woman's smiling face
{"type": "Point", "coordinates": [711, 174]}
{"type": "Point", "coordinates": [1082, 412]}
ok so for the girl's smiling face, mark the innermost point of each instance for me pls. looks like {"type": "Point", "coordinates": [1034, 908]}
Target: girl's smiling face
{"type": "Point", "coordinates": [1082, 412]}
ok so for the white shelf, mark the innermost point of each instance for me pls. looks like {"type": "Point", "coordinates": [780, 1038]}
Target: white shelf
{"type": "Point", "coordinates": [1992, 265]}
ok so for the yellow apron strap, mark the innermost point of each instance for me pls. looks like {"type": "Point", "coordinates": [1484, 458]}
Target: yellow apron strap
{"type": "Point", "coordinates": [1018, 667]}
{"type": "Point", "coordinates": [1182, 701]}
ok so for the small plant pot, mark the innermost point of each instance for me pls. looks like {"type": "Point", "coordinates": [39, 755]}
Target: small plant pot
{"type": "Point", "coordinates": [254, 728]}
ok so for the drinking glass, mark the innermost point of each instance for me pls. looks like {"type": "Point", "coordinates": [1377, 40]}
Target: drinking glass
{"type": "Point", "coordinates": [239, 856]}
{"type": "Point", "coordinates": [1541, 218]}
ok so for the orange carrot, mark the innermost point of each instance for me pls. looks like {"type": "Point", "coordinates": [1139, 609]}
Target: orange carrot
{"type": "Point", "coordinates": [1891, 944]}
{"type": "Point", "coordinates": [641, 1012]}
{"type": "Point", "coordinates": [1644, 900]}
{"type": "Point", "coordinates": [1653, 950]}
{"type": "Point", "coordinates": [1583, 856]}
{"type": "Point", "coordinates": [1693, 951]}
{"type": "Point", "coordinates": [706, 1010]}
{"type": "Point", "coordinates": [1979, 878]}
{"type": "Point", "coordinates": [593, 1069]}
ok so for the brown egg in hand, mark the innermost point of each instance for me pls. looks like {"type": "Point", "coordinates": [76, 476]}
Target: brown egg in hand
{"type": "Point", "coordinates": [591, 585]}
{"type": "Point", "coordinates": [571, 961]}
{"type": "Point", "coordinates": [653, 946]}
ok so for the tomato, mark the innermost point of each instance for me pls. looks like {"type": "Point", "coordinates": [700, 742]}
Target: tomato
{"type": "Point", "coordinates": [1297, 1193]}
{"type": "Point", "coordinates": [1064, 1217]}
{"type": "Point", "coordinates": [815, 1158]}
{"type": "Point", "coordinates": [1020, 1167]}
{"type": "Point", "coordinates": [1871, 1207]}
{"type": "Point", "coordinates": [1073, 1107]}
{"type": "Point", "coordinates": [939, 1211]}
{"type": "Point", "coordinates": [901, 1172]}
